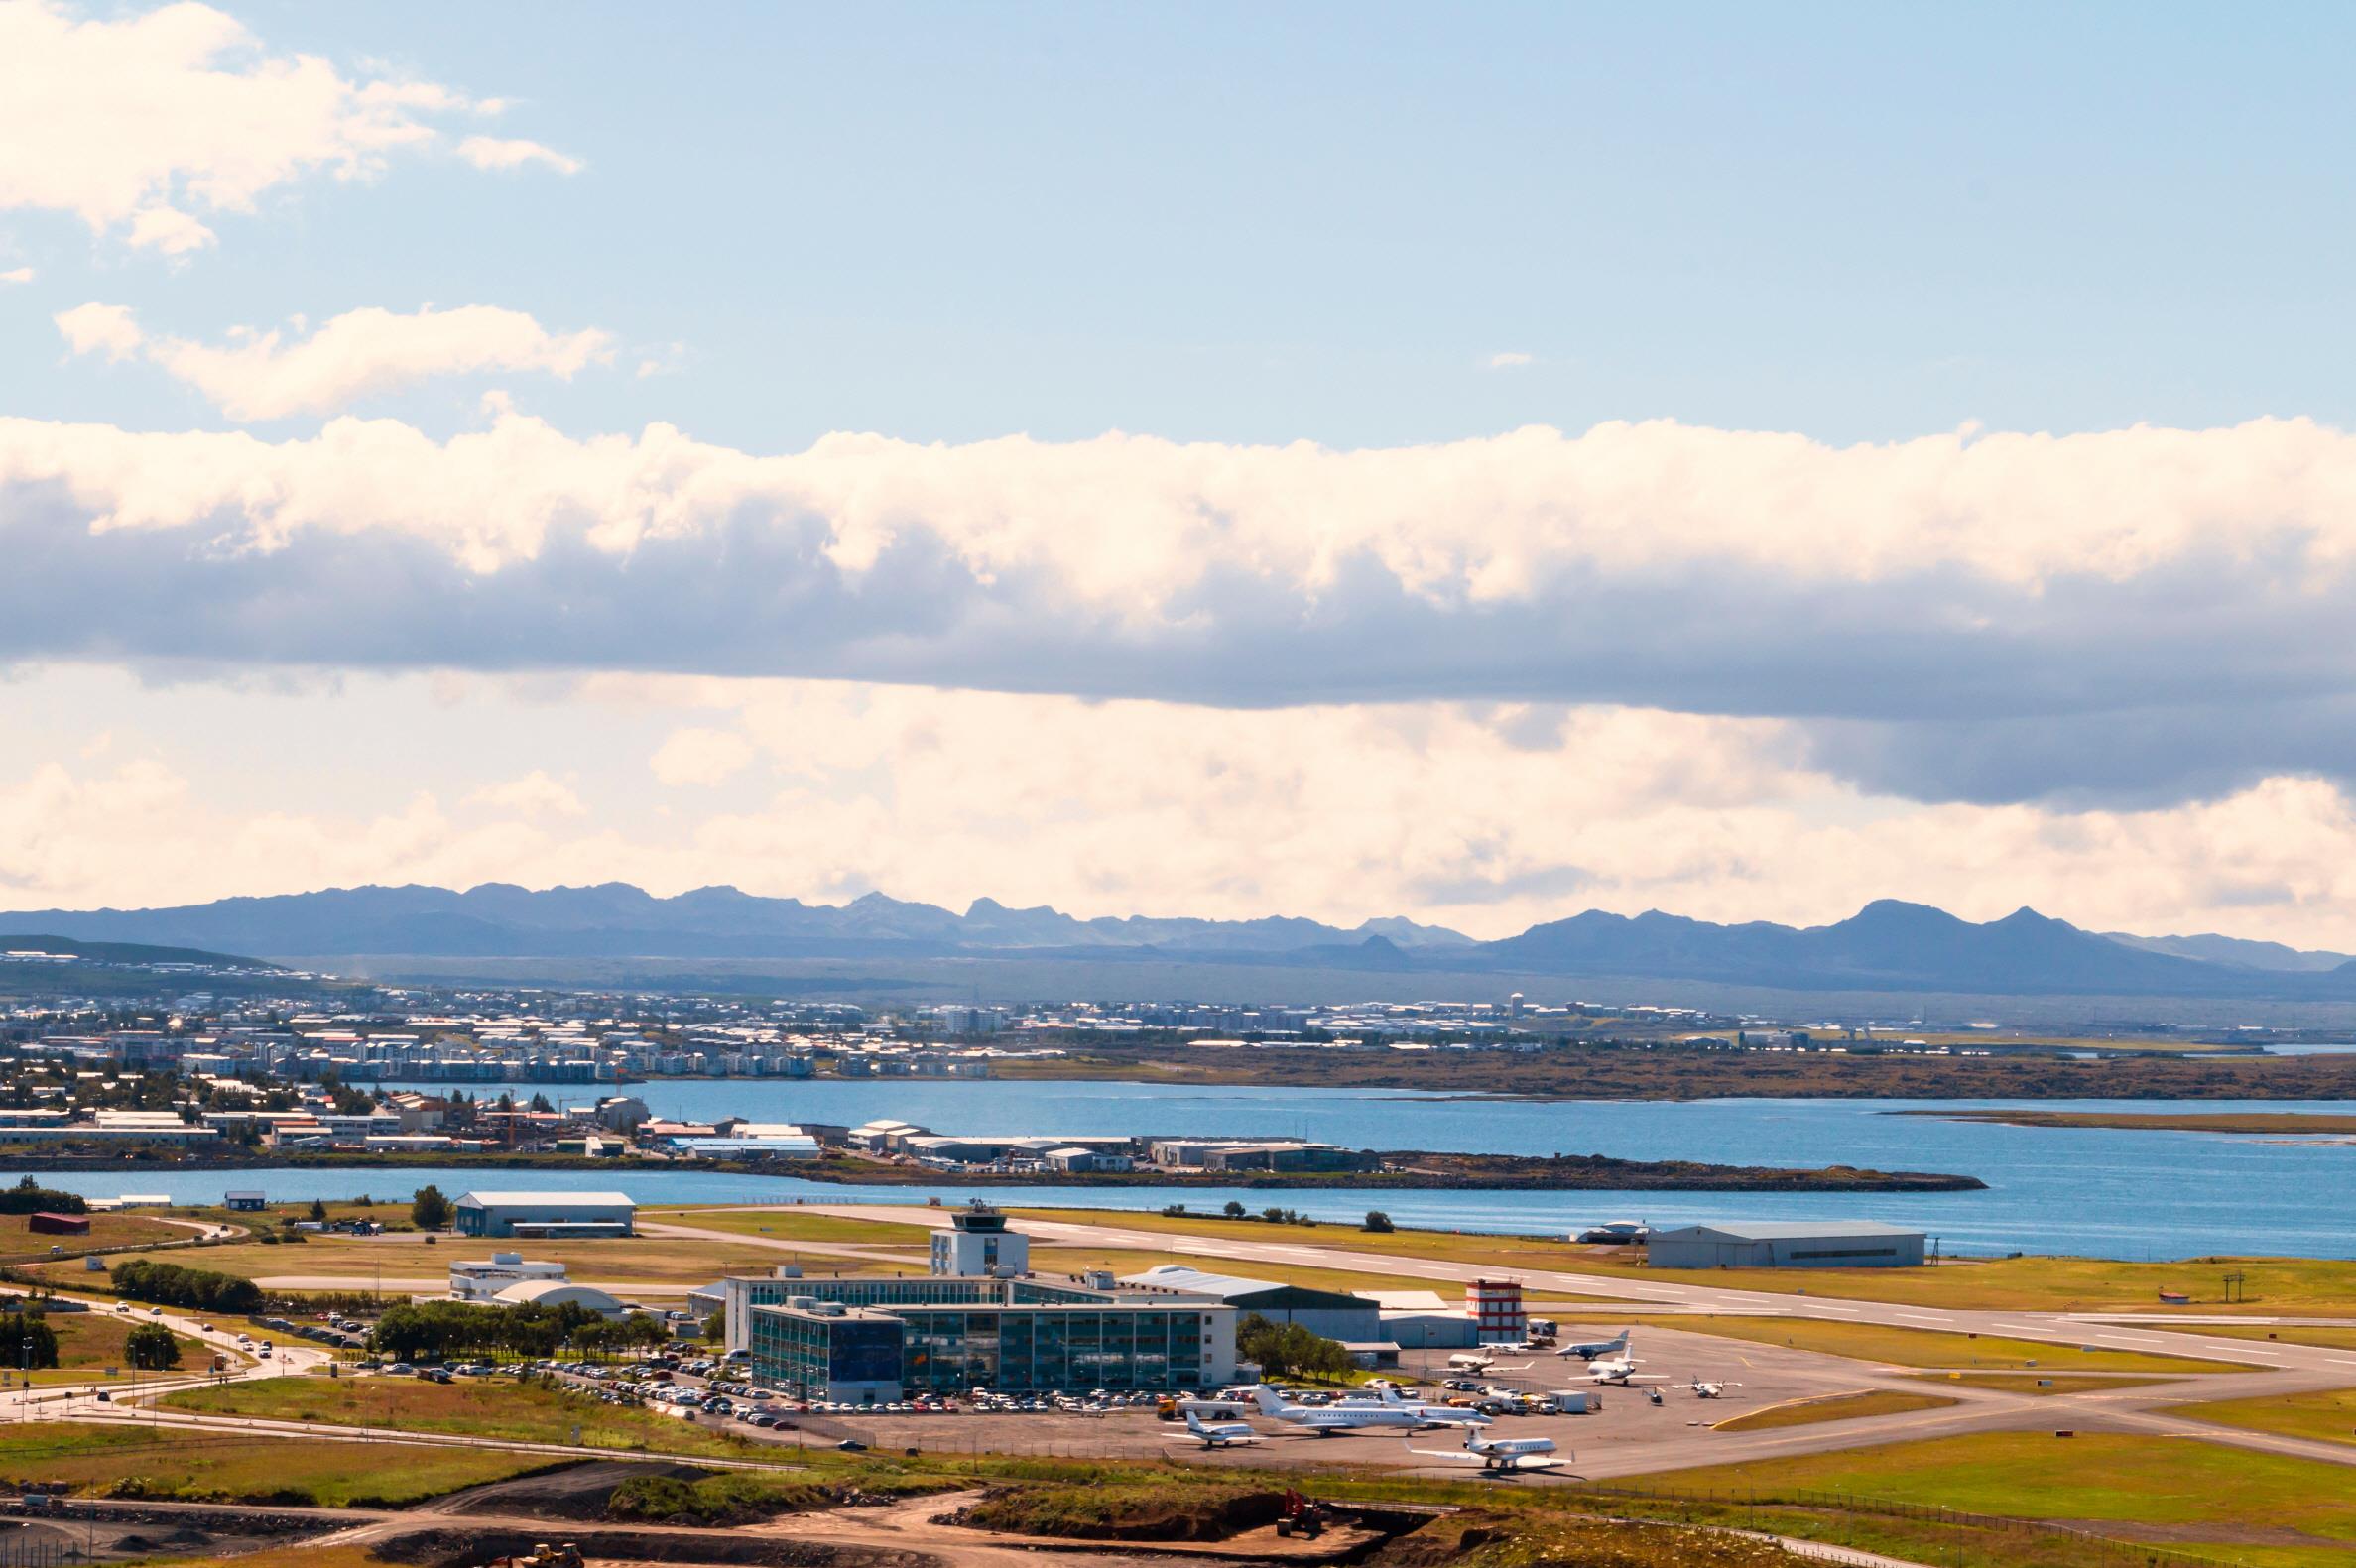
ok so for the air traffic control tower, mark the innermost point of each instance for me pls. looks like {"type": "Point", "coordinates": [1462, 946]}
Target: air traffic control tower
{"type": "Point", "coordinates": [978, 1244]}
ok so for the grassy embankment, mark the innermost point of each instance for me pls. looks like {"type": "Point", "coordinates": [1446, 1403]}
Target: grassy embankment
{"type": "Point", "coordinates": [1930, 1347]}
{"type": "Point", "coordinates": [2232, 1505]}
{"type": "Point", "coordinates": [502, 1409]}
{"type": "Point", "coordinates": [2026, 1284]}
{"type": "Point", "coordinates": [1830, 1408]}
{"type": "Point", "coordinates": [127, 1461]}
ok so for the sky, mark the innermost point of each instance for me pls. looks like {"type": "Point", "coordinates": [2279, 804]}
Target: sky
{"type": "Point", "coordinates": [1475, 464]}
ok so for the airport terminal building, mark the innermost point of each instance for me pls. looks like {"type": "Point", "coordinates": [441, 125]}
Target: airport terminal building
{"type": "Point", "coordinates": [1812, 1243]}
{"type": "Point", "coordinates": [859, 1340]}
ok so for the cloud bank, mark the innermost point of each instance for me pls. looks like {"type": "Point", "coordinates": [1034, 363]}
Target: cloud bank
{"type": "Point", "coordinates": [263, 376]}
{"type": "Point", "coordinates": [147, 125]}
{"type": "Point", "coordinates": [1989, 617]}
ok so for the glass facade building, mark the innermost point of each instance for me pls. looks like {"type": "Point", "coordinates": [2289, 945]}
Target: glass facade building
{"type": "Point", "coordinates": [954, 1335]}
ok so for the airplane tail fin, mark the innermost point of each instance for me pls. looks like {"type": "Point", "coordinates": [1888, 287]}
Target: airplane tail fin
{"type": "Point", "coordinates": [1266, 1399]}
{"type": "Point", "coordinates": [1194, 1422]}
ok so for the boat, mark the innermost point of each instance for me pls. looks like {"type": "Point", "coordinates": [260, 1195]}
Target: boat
{"type": "Point", "coordinates": [2175, 1299]}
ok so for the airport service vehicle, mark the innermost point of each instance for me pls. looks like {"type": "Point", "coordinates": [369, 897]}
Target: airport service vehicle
{"type": "Point", "coordinates": [1303, 1517]}
{"type": "Point", "coordinates": [1574, 1401]}
{"type": "Point", "coordinates": [1220, 1434]}
{"type": "Point", "coordinates": [1501, 1454]}
{"type": "Point", "coordinates": [1615, 1346]}
{"type": "Point", "coordinates": [1325, 1420]}
{"type": "Point", "coordinates": [1713, 1388]}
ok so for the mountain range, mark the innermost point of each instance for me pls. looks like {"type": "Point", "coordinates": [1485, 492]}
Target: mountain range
{"type": "Point", "coordinates": [1887, 946]}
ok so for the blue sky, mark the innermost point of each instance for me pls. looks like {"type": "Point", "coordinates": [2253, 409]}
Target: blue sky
{"type": "Point", "coordinates": [1470, 463]}
{"type": "Point", "coordinates": [1265, 224]}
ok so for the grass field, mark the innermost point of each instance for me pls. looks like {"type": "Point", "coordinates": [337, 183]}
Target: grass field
{"type": "Point", "coordinates": [1927, 1347]}
{"type": "Point", "coordinates": [358, 1262]}
{"type": "Point", "coordinates": [2269, 1284]}
{"type": "Point", "coordinates": [2036, 1384]}
{"type": "Point", "coordinates": [2329, 1415]}
{"type": "Point", "coordinates": [787, 1225]}
{"type": "Point", "coordinates": [132, 1461]}
{"type": "Point", "coordinates": [2231, 1504]}
{"type": "Point", "coordinates": [501, 1410]}
{"type": "Point", "coordinates": [21, 1244]}
{"type": "Point", "coordinates": [1833, 1407]}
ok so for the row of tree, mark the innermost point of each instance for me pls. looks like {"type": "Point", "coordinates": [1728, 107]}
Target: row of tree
{"type": "Point", "coordinates": [444, 1330]}
{"type": "Point", "coordinates": [29, 1197]}
{"type": "Point", "coordinates": [170, 1284]}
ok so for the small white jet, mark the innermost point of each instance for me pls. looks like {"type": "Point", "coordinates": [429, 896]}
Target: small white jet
{"type": "Point", "coordinates": [1713, 1388]}
{"type": "Point", "coordinates": [1326, 1419]}
{"type": "Point", "coordinates": [1498, 1455]}
{"type": "Point", "coordinates": [1214, 1434]}
{"type": "Point", "coordinates": [1615, 1346]}
{"type": "Point", "coordinates": [1620, 1369]}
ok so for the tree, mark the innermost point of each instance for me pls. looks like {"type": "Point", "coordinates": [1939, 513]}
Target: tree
{"type": "Point", "coordinates": [1288, 1349]}
{"type": "Point", "coordinates": [27, 1341]}
{"type": "Point", "coordinates": [428, 1210]}
{"type": "Point", "coordinates": [318, 1211]}
{"type": "Point", "coordinates": [151, 1346]}
{"type": "Point", "coordinates": [540, 1102]}
{"type": "Point", "coordinates": [715, 1328]}
{"type": "Point", "coordinates": [1379, 1222]}
{"type": "Point", "coordinates": [1233, 1210]}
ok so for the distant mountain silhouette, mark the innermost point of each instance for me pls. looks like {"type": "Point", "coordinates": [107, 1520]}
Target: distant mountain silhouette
{"type": "Point", "coordinates": [1885, 946]}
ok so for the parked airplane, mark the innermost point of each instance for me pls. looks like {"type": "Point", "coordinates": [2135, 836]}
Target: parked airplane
{"type": "Point", "coordinates": [1326, 1419]}
{"type": "Point", "coordinates": [1220, 1434]}
{"type": "Point", "coordinates": [1502, 1455]}
{"type": "Point", "coordinates": [1483, 1361]}
{"type": "Point", "coordinates": [1620, 1369]}
{"type": "Point", "coordinates": [1434, 1414]}
{"type": "Point", "coordinates": [1616, 1346]}
{"type": "Point", "coordinates": [1713, 1388]}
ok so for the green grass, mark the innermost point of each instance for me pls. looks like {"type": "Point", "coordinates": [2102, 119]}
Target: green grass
{"type": "Point", "coordinates": [21, 1244]}
{"type": "Point", "coordinates": [143, 1462]}
{"type": "Point", "coordinates": [659, 1263]}
{"type": "Point", "coordinates": [2328, 1414]}
{"type": "Point", "coordinates": [787, 1225]}
{"type": "Point", "coordinates": [1831, 1407]}
{"type": "Point", "coordinates": [1929, 1347]}
{"type": "Point", "coordinates": [498, 1408]}
{"type": "Point", "coordinates": [2134, 1487]}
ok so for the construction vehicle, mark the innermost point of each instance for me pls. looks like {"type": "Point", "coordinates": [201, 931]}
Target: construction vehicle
{"type": "Point", "coordinates": [542, 1555]}
{"type": "Point", "coordinates": [1304, 1517]}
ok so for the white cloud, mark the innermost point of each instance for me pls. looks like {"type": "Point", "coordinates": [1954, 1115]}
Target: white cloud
{"type": "Point", "coordinates": [17, 275]}
{"type": "Point", "coordinates": [142, 123]}
{"type": "Point", "coordinates": [490, 152]}
{"type": "Point", "coordinates": [532, 795]}
{"type": "Point", "coordinates": [100, 329]}
{"type": "Point", "coordinates": [701, 756]}
{"type": "Point", "coordinates": [1987, 617]}
{"type": "Point", "coordinates": [263, 376]}
{"type": "Point", "coordinates": [1511, 359]}
{"type": "Point", "coordinates": [1488, 818]}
